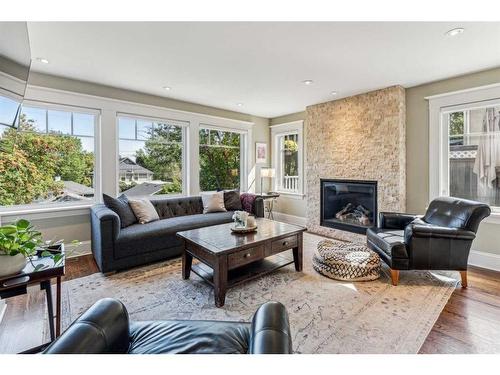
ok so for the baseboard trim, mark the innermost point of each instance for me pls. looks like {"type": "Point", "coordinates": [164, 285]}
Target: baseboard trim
{"type": "Point", "coordinates": [484, 260]}
{"type": "Point", "coordinates": [290, 219]}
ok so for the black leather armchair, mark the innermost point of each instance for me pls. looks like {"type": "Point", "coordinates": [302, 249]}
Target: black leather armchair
{"type": "Point", "coordinates": [440, 240]}
{"type": "Point", "coordinates": [105, 328]}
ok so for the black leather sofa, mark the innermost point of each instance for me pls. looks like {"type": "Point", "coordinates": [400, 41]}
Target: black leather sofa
{"type": "Point", "coordinates": [105, 328]}
{"type": "Point", "coordinates": [440, 240]}
{"type": "Point", "coordinates": [116, 248]}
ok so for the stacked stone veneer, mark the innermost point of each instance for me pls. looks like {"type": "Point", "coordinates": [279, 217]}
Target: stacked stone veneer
{"type": "Point", "coordinates": [360, 137]}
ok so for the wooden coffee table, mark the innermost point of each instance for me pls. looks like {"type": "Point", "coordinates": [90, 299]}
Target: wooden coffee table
{"type": "Point", "coordinates": [228, 259]}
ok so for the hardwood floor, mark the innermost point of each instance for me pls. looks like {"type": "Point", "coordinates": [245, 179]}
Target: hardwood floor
{"type": "Point", "coordinates": [468, 324]}
{"type": "Point", "coordinates": [25, 319]}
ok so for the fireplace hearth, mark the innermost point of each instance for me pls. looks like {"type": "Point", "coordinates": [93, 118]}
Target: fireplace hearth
{"type": "Point", "coordinates": [349, 205]}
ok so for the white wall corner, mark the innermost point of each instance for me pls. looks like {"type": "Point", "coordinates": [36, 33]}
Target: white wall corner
{"type": "Point", "coordinates": [290, 219]}
{"type": "Point", "coordinates": [484, 260]}
{"type": "Point", "coordinates": [83, 249]}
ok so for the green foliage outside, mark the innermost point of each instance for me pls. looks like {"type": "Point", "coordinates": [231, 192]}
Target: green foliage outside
{"type": "Point", "coordinates": [291, 154]}
{"type": "Point", "coordinates": [456, 127]}
{"type": "Point", "coordinates": [219, 160]}
{"type": "Point", "coordinates": [162, 154]}
{"type": "Point", "coordinates": [30, 163]}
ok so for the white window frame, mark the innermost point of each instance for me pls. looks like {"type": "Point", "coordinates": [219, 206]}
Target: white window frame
{"type": "Point", "coordinates": [182, 123]}
{"type": "Point", "coordinates": [47, 207]}
{"type": "Point", "coordinates": [107, 139]}
{"type": "Point", "coordinates": [280, 130]}
{"type": "Point", "coordinates": [439, 108]}
{"type": "Point", "coordinates": [244, 150]}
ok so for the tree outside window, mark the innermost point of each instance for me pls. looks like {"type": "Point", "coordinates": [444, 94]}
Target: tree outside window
{"type": "Point", "coordinates": [288, 170]}
{"type": "Point", "coordinates": [220, 160]}
{"type": "Point", "coordinates": [46, 166]}
{"type": "Point", "coordinates": [150, 157]}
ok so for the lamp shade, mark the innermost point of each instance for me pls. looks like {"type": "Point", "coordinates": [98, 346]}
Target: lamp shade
{"type": "Point", "coordinates": [267, 172]}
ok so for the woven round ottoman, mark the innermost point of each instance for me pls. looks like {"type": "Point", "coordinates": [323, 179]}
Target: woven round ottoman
{"type": "Point", "coordinates": [346, 261]}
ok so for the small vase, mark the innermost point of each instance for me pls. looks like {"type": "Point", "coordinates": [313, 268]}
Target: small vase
{"type": "Point", "coordinates": [11, 265]}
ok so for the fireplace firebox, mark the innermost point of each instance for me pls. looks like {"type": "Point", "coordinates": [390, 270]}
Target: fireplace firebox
{"type": "Point", "coordinates": [349, 205]}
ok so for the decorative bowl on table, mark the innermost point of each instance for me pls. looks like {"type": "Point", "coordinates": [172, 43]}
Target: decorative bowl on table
{"type": "Point", "coordinates": [239, 229]}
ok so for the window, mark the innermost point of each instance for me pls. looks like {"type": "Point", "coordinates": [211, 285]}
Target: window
{"type": "Point", "coordinates": [474, 153]}
{"type": "Point", "coordinates": [150, 156]}
{"type": "Point", "coordinates": [288, 163]}
{"type": "Point", "coordinates": [287, 159]}
{"type": "Point", "coordinates": [220, 159]}
{"type": "Point", "coordinates": [49, 159]}
{"type": "Point", "coordinates": [8, 109]}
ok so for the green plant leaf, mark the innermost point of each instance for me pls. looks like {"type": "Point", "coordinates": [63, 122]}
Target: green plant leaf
{"type": "Point", "coordinates": [57, 259]}
{"type": "Point", "coordinates": [23, 224]}
{"type": "Point", "coordinates": [40, 267]}
{"type": "Point", "coordinates": [8, 229]}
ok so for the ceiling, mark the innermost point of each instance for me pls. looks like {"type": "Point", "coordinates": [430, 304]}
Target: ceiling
{"type": "Point", "coordinates": [261, 65]}
{"type": "Point", "coordinates": [14, 42]}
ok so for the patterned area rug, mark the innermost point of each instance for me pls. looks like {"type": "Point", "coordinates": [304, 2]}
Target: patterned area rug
{"type": "Point", "coordinates": [326, 316]}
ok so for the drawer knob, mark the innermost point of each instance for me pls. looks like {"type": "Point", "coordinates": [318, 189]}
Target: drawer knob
{"type": "Point", "coordinates": [285, 243]}
{"type": "Point", "coordinates": [246, 255]}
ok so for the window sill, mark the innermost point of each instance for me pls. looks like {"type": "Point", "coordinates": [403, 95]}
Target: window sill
{"type": "Point", "coordinates": [48, 212]}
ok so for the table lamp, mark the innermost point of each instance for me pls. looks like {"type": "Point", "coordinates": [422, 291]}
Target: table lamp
{"type": "Point", "coordinates": [266, 173]}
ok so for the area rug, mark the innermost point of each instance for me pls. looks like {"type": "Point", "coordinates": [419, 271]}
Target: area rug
{"type": "Point", "coordinates": [326, 316]}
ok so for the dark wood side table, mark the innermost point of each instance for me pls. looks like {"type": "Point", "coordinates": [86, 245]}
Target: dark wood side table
{"type": "Point", "coordinates": [15, 285]}
{"type": "Point", "coordinates": [227, 259]}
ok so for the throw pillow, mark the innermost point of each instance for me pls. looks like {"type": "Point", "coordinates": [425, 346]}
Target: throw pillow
{"type": "Point", "coordinates": [213, 202]}
{"type": "Point", "coordinates": [144, 210]}
{"type": "Point", "coordinates": [232, 200]}
{"type": "Point", "coordinates": [122, 209]}
{"type": "Point", "coordinates": [248, 201]}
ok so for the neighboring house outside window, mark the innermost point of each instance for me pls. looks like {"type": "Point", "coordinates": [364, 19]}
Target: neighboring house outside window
{"type": "Point", "coordinates": [287, 140]}
{"type": "Point", "coordinates": [150, 156]}
{"type": "Point", "coordinates": [130, 171]}
{"type": "Point", "coordinates": [50, 159]}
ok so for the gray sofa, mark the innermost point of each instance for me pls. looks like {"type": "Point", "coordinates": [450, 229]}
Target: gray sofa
{"type": "Point", "coordinates": [116, 248]}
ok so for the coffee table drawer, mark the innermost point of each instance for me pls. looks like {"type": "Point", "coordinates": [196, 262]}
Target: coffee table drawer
{"type": "Point", "coordinates": [246, 256]}
{"type": "Point", "coordinates": [284, 244]}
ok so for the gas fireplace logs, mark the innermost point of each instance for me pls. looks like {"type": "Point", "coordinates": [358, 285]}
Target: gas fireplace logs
{"type": "Point", "coordinates": [354, 214]}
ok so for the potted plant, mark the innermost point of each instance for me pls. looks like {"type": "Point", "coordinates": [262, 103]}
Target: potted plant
{"type": "Point", "coordinates": [20, 243]}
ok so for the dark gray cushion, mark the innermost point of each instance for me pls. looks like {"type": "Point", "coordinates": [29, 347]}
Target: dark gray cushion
{"type": "Point", "coordinates": [121, 207]}
{"type": "Point", "coordinates": [177, 206]}
{"type": "Point", "coordinates": [390, 241]}
{"type": "Point", "coordinates": [232, 200]}
{"type": "Point", "coordinates": [161, 234]}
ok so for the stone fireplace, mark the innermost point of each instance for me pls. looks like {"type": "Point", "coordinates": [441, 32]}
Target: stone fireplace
{"type": "Point", "coordinates": [358, 138]}
{"type": "Point", "coordinates": [349, 205]}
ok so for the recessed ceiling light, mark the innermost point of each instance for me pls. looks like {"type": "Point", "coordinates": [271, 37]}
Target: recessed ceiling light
{"type": "Point", "coordinates": [42, 60]}
{"type": "Point", "coordinates": [455, 32]}
{"type": "Point", "coordinates": [167, 88]}
{"type": "Point", "coordinates": [308, 82]}
{"type": "Point", "coordinates": [333, 93]}
{"type": "Point", "coordinates": [239, 104]}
